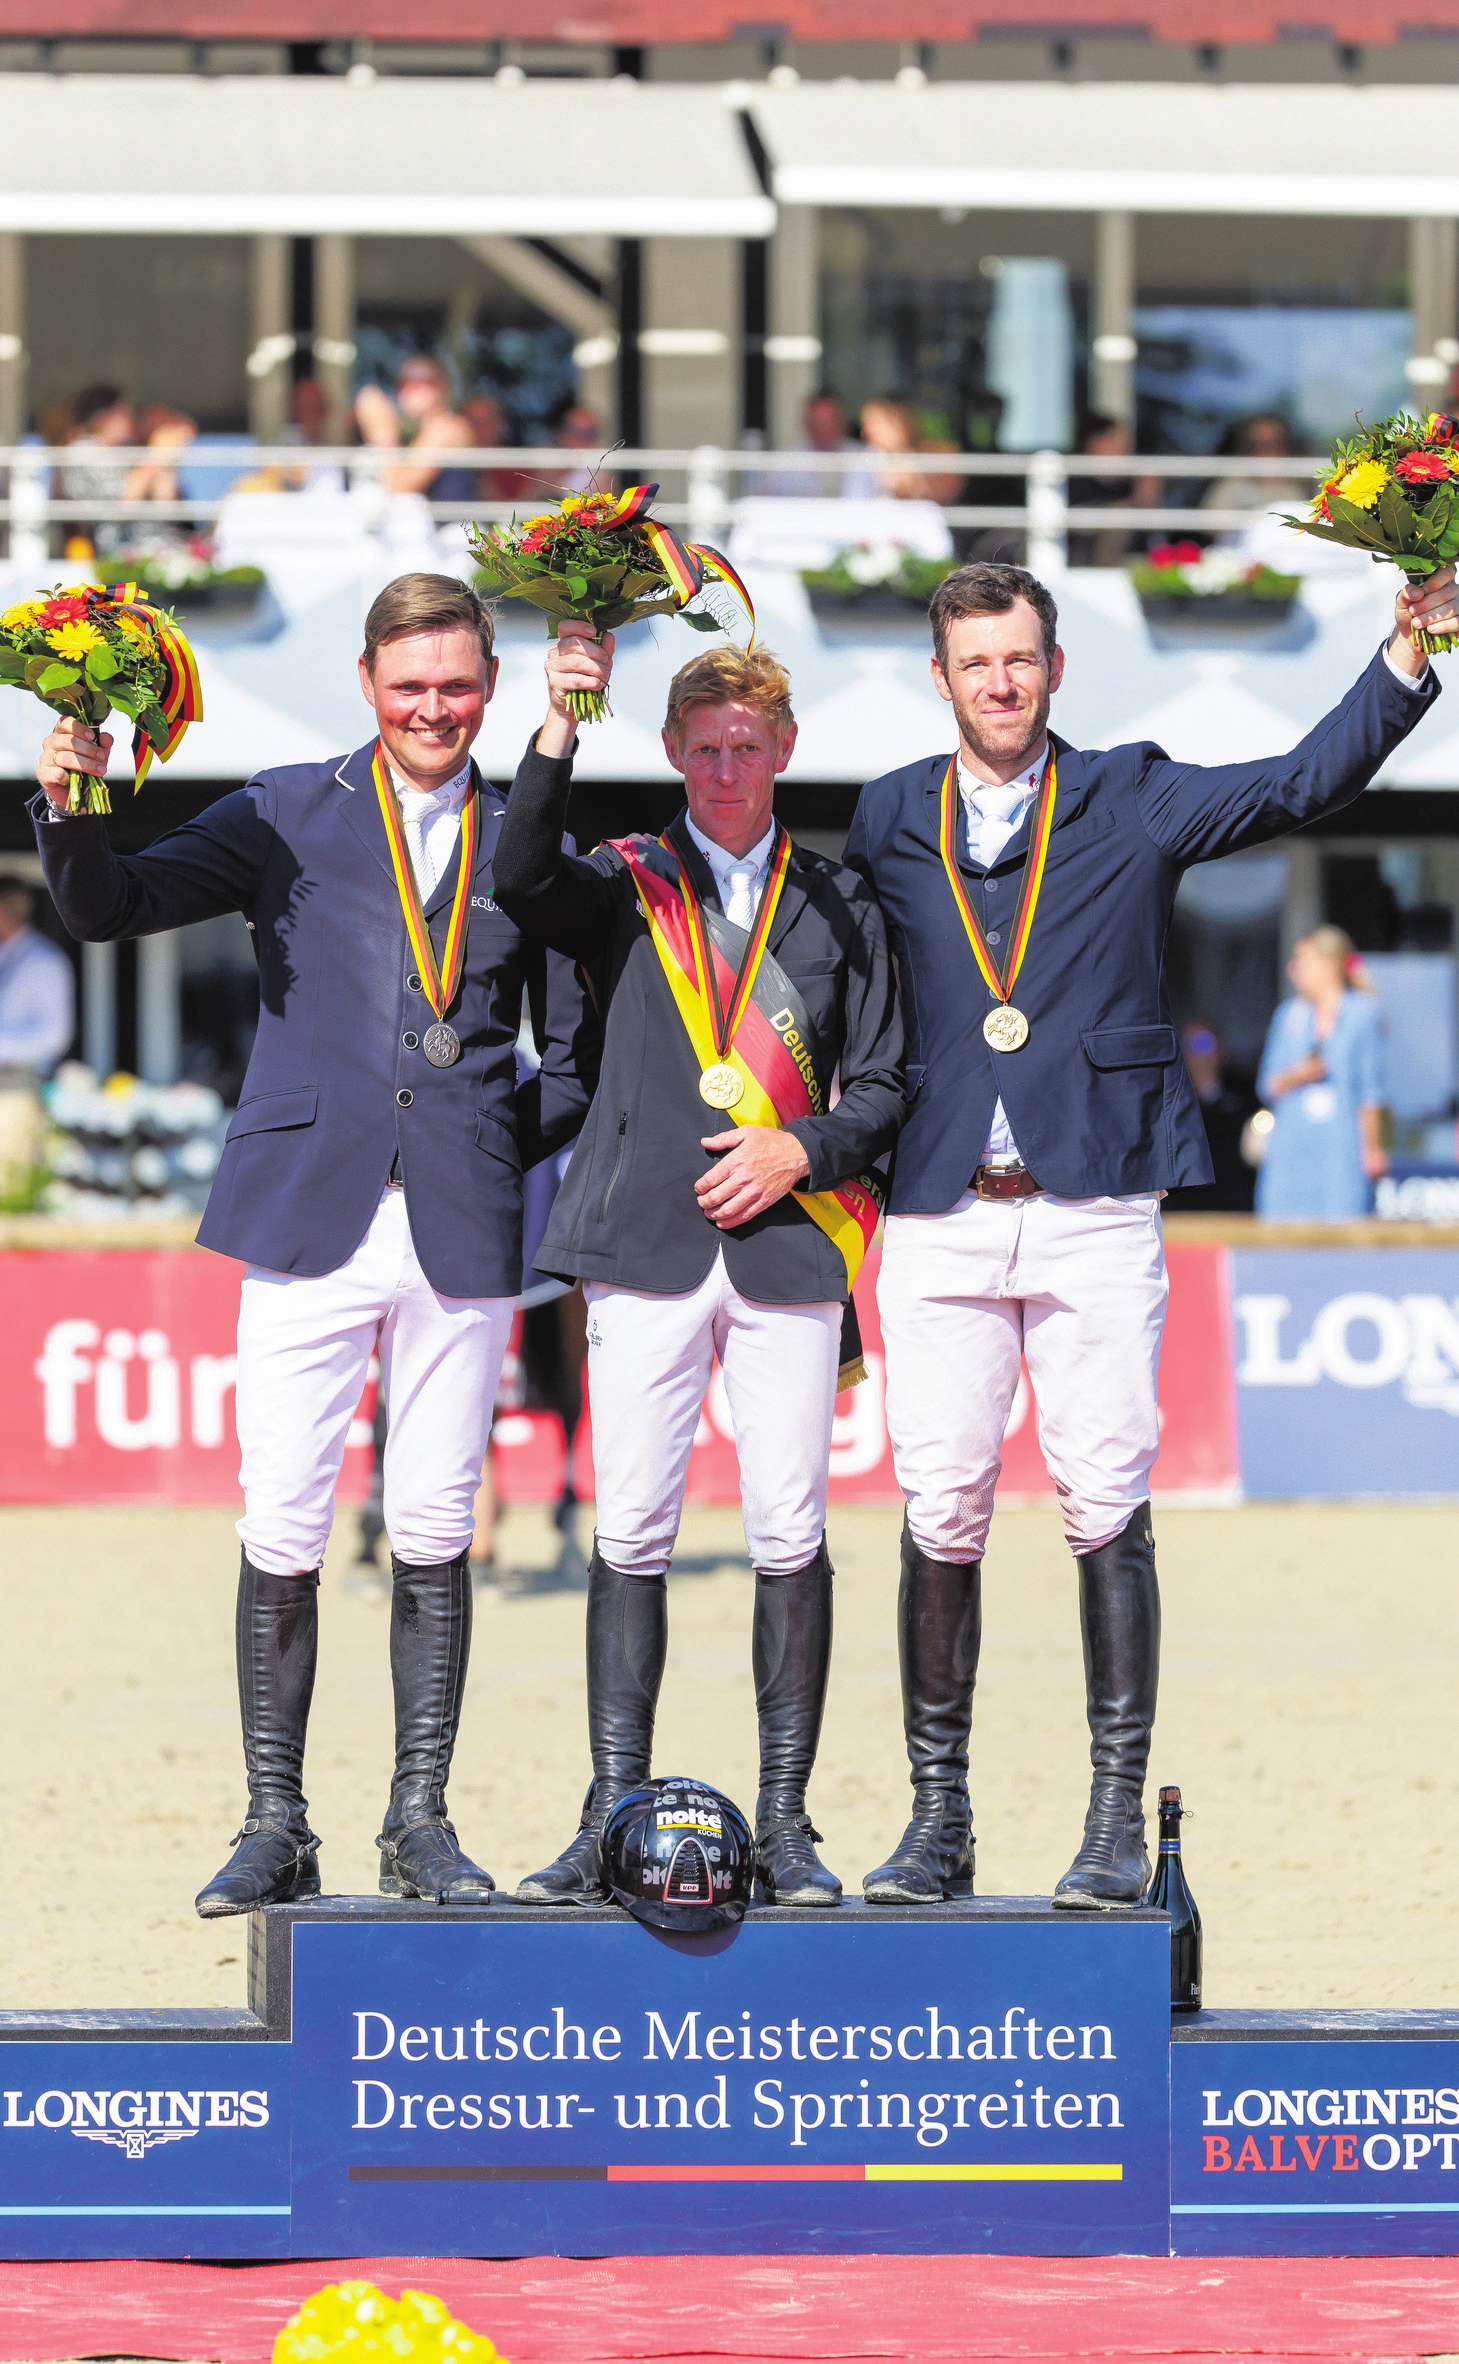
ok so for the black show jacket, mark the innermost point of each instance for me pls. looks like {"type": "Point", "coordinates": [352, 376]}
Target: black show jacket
{"type": "Point", "coordinates": [627, 1212]}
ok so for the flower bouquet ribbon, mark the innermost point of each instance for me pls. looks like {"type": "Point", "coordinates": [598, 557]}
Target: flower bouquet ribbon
{"type": "Point", "coordinates": [101, 646]}
{"type": "Point", "coordinates": [1394, 492]}
{"type": "Point", "coordinates": [605, 561]}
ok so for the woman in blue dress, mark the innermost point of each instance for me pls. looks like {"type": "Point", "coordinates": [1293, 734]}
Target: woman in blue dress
{"type": "Point", "coordinates": [1322, 1076]}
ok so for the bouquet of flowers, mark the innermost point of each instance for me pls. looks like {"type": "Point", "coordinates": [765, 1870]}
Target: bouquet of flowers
{"type": "Point", "coordinates": [1394, 492]}
{"type": "Point", "coordinates": [605, 561]}
{"type": "Point", "coordinates": [355, 2320]}
{"type": "Point", "coordinates": [98, 646]}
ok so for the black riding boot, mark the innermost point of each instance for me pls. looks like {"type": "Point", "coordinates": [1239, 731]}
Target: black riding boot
{"type": "Point", "coordinates": [939, 1627]}
{"type": "Point", "coordinates": [791, 1651]}
{"type": "Point", "coordinates": [628, 1640]}
{"type": "Point", "coordinates": [430, 1643]}
{"type": "Point", "coordinates": [1119, 1616]}
{"type": "Point", "coordinates": [277, 1635]}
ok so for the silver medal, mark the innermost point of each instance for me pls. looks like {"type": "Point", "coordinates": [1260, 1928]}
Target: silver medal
{"type": "Point", "coordinates": [442, 1045]}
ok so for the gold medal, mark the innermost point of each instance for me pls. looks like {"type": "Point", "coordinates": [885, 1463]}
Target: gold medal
{"type": "Point", "coordinates": [722, 1086]}
{"type": "Point", "coordinates": [1005, 1029]}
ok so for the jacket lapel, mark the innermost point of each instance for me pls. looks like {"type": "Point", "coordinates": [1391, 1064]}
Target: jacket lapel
{"type": "Point", "coordinates": [360, 806]}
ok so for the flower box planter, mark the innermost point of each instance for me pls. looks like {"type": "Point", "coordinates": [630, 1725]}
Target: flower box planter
{"type": "Point", "coordinates": [1221, 611]}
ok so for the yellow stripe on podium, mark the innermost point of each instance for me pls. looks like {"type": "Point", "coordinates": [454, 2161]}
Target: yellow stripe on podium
{"type": "Point", "coordinates": [1113, 2174]}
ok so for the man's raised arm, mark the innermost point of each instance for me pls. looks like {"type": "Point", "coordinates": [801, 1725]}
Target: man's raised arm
{"type": "Point", "coordinates": [1195, 812]}
{"type": "Point", "coordinates": [209, 866]}
{"type": "Point", "coordinates": [561, 898]}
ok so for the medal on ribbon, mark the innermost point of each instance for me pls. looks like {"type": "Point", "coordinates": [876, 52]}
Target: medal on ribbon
{"type": "Point", "coordinates": [1005, 1028]}
{"type": "Point", "coordinates": [721, 1085]}
{"type": "Point", "coordinates": [442, 1044]}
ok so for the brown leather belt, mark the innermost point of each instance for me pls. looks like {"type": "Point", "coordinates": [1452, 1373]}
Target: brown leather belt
{"type": "Point", "coordinates": [1004, 1182]}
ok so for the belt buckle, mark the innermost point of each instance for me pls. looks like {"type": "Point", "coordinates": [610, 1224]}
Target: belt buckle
{"type": "Point", "coordinates": [1000, 1183]}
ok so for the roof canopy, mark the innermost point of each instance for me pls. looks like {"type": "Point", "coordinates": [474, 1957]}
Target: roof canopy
{"type": "Point", "coordinates": [397, 158]}
{"type": "Point", "coordinates": [1143, 147]}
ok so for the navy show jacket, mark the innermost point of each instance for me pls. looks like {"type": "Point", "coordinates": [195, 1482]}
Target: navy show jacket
{"type": "Point", "coordinates": [1098, 1097]}
{"type": "Point", "coordinates": [338, 1082]}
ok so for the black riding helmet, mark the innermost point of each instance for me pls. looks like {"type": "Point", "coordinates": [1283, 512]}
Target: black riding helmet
{"type": "Point", "coordinates": [679, 1855]}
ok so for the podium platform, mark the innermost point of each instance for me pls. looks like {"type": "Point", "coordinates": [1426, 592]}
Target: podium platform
{"type": "Point", "coordinates": [988, 2076]}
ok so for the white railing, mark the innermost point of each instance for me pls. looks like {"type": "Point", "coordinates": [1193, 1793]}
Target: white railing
{"type": "Point", "coordinates": [700, 485]}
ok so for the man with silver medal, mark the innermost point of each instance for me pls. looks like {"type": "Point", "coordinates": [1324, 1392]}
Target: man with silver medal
{"type": "Point", "coordinates": [736, 972]}
{"type": "Point", "coordinates": [1028, 889]}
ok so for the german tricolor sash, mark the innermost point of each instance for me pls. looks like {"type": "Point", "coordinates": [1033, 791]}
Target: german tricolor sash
{"type": "Point", "coordinates": [772, 1044]}
{"type": "Point", "coordinates": [440, 979]}
{"type": "Point", "coordinates": [182, 694]}
{"type": "Point", "coordinates": [685, 563]}
{"type": "Point", "coordinates": [1000, 981]}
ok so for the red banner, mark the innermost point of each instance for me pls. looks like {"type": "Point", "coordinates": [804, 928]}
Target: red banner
{"type": "Point", "coordinates": [120, 1388]}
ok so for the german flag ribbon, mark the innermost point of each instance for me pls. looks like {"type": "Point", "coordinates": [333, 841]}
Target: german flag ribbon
{"type": "Point", "coordinates": [768, 1036]}
{"type": "Point", "coordinates": [181, 697]}
{"type": "Point", "coordinates": [1000, 981]}
{"type": "Point", "coordinates": [685, 563]}
{"type": "Point", "coordinates": [440, 980]}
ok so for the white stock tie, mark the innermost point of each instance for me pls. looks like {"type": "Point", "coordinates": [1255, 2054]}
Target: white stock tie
{"type": "Point", "coordinates": [996, 809]}
{"type": "Point", "coordinates": [741, 912]}
{"type": "Point", "coordinates": [418, 810]}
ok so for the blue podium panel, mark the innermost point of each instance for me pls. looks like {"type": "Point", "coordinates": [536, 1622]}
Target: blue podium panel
{"type": "Point", "coordinates": [1312, 2148]}
{"type": "Point", "coordinates": [144, 2150]}
{"type": "Point", "coordinates": [830, 2082]}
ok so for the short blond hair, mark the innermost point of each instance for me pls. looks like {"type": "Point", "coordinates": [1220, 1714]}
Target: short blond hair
{"type": "Point", "coordinates": [427, 603]}
{"type": "Point", "coordinates": [750, 677]}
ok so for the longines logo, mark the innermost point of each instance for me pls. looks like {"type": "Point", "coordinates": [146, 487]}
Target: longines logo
{"type": "Point", "coordinates": [133, 2121]}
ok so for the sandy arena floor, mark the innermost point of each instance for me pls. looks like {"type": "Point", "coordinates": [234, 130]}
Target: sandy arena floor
{"type": "Point", "coordinates": [1307, 1712]}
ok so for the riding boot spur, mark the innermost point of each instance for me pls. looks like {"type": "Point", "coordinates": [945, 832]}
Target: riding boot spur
{"type": "Point", "coordinates": [628, 1640]}
{"type": "Point", "coordinates": [276, 1636]}
{"type": "Point", "coordinates": [1119, 1618]}
{"type": "Point", "coordinates": [430, 1645]}
{"type": "Point", "coordinates": [791, 1652]}
{"type": "Point", "coordinates": [939, 1629]}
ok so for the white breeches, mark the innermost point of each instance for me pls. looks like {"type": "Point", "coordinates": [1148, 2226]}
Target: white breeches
{"type": "Point", "coordinates": [649, 1364]}
{"type": "Point", "coordinates": [1078, 1286]}
{"type": "Point", "coordinates": [304, 1347]}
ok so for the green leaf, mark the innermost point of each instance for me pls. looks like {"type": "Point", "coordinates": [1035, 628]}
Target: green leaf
{"type": "Point", "coordinates": [54, 677]}
{"type": "Point", "coordinates": [100, 665]}
{"type": "Point", "coordinates": [576, 587]}
{"type": "Point", "coordinates": [127, 701]}
{"type": "Point", "coordinates": [12, 666]}
{"type": "Point", "coordinates": [699, 622]}
{"type": "Point", "coordinates": [1360, 527]}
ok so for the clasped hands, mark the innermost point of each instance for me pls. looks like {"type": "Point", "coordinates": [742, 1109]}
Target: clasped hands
{"type": "Point", "coordinates": [759, 1166]}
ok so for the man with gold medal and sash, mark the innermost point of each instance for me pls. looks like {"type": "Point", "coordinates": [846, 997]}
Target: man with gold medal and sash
{"type": "Point", "coordinates": [720, 1200]}
{"type": "Point", "coordinates": [371, 1186]}
{"type": "Point", "coordinates": [1028, 889]}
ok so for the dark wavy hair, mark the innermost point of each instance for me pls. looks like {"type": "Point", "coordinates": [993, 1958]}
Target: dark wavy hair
{"type": "Point", "coordinates": [990, 589]}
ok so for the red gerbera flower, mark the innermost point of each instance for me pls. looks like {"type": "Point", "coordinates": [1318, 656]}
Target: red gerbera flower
{"type": "Point", "coordinates": [69, 609]}
{"type": "Point", "coordinates": [1423, 467]}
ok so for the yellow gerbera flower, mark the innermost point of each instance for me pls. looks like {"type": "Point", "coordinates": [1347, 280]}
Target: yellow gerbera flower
{"type": "Point", "coordinates": [1362, 484]}
{"type": "Point", "coordinates": [134, 629]}
{"type": "Point", "coordinates": [24, 612]}
{"type": "Point", "coordinates": [73, 640]}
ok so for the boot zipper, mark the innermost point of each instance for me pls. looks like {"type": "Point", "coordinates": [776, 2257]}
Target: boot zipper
{"type": "Point", "coordinates": [612, 1182]}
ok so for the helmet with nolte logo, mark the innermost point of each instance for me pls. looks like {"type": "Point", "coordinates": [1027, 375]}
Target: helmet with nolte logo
{"type": "Point", "coordinates": [679, 1855]}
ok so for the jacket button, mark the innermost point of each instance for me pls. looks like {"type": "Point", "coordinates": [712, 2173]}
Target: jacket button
{"type": "Point", "coordinates": [411, 1041]}
{"type": "Point", "coordinates": [413, 982]}
{"type": "Point", "coordinates": [995, 936]}
{"type": "Point", "coordinates": [404, 1099]}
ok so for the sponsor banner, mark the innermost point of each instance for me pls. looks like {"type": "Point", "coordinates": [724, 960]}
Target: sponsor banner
{"type": "Point", "coordinates": [122, 1366]}
{"type": "Point", "coordinates": [1314, 2149]}
{"type": "Point", "coordinates": [1347, 1370]}
{"type": "Point", "coordinates": [578, 2087]}
{"type": "Point", "coordinates": [144, 2150]}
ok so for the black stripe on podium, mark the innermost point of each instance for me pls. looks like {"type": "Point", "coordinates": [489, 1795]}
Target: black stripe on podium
{"type": "Point", "coordinates": [478, 2175]}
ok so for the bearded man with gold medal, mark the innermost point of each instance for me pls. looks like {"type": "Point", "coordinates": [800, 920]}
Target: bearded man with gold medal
{"type": "Point", "coordinates": [720, 1200]}
{"type": "Point", "coordinates": [1027, 889]}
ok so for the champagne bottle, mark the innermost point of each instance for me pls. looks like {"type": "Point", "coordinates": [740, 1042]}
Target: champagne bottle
{"type": "Point", "coordinates": [1169, 1893]}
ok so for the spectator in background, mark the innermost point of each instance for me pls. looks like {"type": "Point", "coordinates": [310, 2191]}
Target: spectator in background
{"type": "Point", "coordinates": [1322, 1076]}
{"type": "Point", "coordinates": [579, 429]}
{"type": "Point", "coordinates": [37, 1021]}
{"type": "Point", "coordinates": [490, 431]}
{"type": "Point", "coordinates": [890, 425]}
{"type": "Point", "coordinates": [1228, 1100]}
{"type": "Point", "coordinates": [166, 432]}
{"type": "Point", "coordinates": [1102, 437]}
{"type": "Point", "coordinates": [421, 414]}
{"type": "Point", "coordinates": [104, 421]}
{"type": "Point", "coordinates": [823, 429]}
{"type": "Point", "coordinates": [1266, 436]}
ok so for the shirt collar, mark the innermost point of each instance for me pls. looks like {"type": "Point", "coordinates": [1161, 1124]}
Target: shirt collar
{"type": "Point", "coordinates": [448, 796]}
{"type": "Point", "coordinates": [1025, 786]}
{"type": "Point", "coordinates": [721, 862]}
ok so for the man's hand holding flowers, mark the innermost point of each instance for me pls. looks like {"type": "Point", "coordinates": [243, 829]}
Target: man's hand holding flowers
{"type": "Point", "coordinates": [578, 665]}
